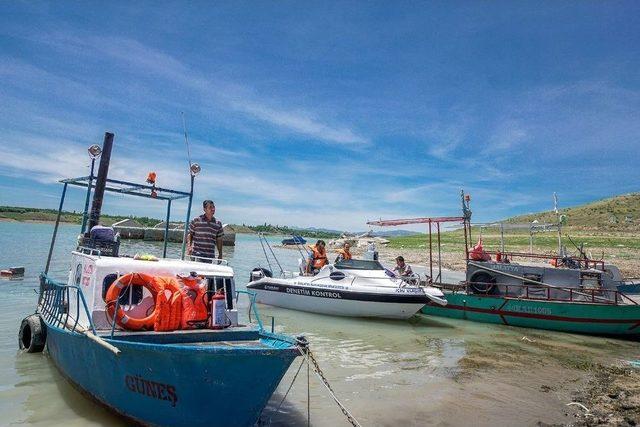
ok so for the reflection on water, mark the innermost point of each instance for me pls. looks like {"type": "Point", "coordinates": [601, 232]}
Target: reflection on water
{"type": "Point", "coordinates": [418, 372]}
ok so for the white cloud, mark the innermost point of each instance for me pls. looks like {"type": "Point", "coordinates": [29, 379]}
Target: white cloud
{"type": "Point", "coordinates": [147, 60]}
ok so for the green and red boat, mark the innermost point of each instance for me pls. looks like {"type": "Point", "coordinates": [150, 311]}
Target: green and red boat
{"type": "Point", "coordinates": [556, 292]}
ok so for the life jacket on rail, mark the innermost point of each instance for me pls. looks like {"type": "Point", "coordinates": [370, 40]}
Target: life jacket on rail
{"type": "Point", "coordinates": [155, 285]}
{"type": "Point", "coordinates": [168, 306]}
{"type": "Point", "coordinates": [478, 253]}
{"type": "Point", "coordinates": [319, 257]}
{"type": "Point", "coordinates": [194, 302]}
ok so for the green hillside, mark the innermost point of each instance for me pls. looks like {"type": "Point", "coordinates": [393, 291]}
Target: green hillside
{"type": "Point", "coordinates": [619, 213]}
{"type": "Point", "coordinates": [18, 213]}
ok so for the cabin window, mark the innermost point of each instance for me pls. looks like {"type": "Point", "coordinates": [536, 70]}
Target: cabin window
{"type": "Point", "coordinates": [130, 295]}
{"type": "Point", "coordinates": [590, 280]}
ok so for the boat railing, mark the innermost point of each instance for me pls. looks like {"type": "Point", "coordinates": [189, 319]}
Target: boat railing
{"type": "Point", "coordinates": [545, 293]}
{"type": "Point", "coordinates": [558, 260]}
{"type": "Point", "coordinates": [54, 305]}
{"type": "Point", "coordinates": [401, 281]}
{"type": "Point", "coordinates": [216, 261]}
{"type": "Point", "coordinates": [252, 307]}
{"type": "Point", "coordinates": [289, 274]}
{"type": "Point", "coordinates": [89, 251]}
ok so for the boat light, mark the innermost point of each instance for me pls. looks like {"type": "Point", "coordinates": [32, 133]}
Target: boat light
{"type": "Point", "coordinates": [195, 169]}
{"type": "Point", "coordinates": [95, 151]}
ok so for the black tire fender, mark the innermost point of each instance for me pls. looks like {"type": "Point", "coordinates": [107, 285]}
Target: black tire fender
{"type": "Point", "coordinates": [482, 282]}
{"type": "Point", "coordinates": [32, 335]}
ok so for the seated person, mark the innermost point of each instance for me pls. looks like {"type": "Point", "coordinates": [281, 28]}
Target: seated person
{"type": "Point", "coordinates": [318, 258]}
{"type": "Point", "coordinates": [344, 254]}
{"type": "Point", "coordinates": [401, 269]}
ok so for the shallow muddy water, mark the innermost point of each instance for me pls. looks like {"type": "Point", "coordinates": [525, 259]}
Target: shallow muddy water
{"type": "Point", "coordinates": [425, 371]}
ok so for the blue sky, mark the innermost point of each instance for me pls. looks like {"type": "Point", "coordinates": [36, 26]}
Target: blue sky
{"type": "Point", "coordinates": [325, 114]}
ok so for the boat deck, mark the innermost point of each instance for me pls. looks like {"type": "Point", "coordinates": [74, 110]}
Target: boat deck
{"type": "Point", "coordinates": [122, 333]}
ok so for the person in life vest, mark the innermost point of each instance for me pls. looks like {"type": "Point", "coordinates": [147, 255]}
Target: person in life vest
{"type": "Point", "coordinates": [344, 254]}
{"type": "Point", "coordinates": [318, 258]}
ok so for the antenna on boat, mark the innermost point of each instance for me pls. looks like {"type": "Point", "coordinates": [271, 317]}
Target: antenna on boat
{"type": "Point", "coordinates": [555, 209]}
{"type": "Point", "coordinates": [194, 169]}
{"type": "Point", "coordinates": [186, 138]}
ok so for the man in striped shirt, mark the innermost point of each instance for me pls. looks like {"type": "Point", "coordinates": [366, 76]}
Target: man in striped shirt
{"type": "Point", "coordinates": [205, 234]}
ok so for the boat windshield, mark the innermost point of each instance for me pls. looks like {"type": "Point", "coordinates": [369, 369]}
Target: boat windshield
{"type": "Point", "coordinates": [359, 264]}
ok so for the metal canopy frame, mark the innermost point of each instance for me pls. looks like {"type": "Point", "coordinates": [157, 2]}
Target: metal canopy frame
{"type": "Point", "coordinates": [426, 220]}
{"type": "Point", "coordinates": [130, 189]}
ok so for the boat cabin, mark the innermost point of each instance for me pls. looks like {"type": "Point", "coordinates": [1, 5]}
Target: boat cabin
{"type": "Point", "coordinates": [94, 273]}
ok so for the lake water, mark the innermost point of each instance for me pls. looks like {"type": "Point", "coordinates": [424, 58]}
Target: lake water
{"type": "Point", "coordinates": [425, 371]}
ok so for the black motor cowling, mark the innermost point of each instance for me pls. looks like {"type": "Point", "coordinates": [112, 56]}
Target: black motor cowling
{"type": "Point", "coordinates": [258, 273]}
{"type": "Point", "coordinates": [33, 334]}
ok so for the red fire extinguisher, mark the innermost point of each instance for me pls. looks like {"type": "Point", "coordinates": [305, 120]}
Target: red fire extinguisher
{"type": "Point", "coordinates": [218, 311]}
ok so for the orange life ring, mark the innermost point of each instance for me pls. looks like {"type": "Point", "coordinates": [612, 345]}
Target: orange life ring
{"type": "Point", "coordinates": [152, 283]}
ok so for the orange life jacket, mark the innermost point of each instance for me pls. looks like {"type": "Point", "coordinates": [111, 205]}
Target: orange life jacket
{"type": "Point", "coordinates": [319, 257]}
{"type": "Point", "coordinates": [194, 302]}
{"type": "Point", "coordinates": [346, 255]}
{"type": "Point", "coordinates": [478, 253]}
{"type": "Point", "coordinates": [169, 306]}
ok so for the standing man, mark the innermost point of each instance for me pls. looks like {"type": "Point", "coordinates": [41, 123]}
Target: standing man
{"type": "Point", "coordinates": [205, 234]}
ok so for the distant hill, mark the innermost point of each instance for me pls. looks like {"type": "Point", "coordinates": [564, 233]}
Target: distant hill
{"type": "Point", "coordinates": [619, 213]}
{"type": "Point", "coordinates": [19, 213]}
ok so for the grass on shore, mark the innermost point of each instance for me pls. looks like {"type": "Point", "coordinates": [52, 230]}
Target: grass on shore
{"type": "Point", "coordinates": [452, 241]}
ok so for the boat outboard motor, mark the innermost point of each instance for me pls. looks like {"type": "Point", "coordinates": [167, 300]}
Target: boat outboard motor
{"type": "Point", "coordinates": [258, 273]}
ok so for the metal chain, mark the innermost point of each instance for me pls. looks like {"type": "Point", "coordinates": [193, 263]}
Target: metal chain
{"type": "Point", "coordinates": [306, 352]}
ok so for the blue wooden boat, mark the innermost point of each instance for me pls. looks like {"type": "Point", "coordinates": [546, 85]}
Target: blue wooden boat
{"type": "Point", "coordinates": [195, 377]}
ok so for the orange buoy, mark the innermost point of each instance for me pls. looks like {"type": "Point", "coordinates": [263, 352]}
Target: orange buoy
{"type": "Point", "coordinates": [154, 284]}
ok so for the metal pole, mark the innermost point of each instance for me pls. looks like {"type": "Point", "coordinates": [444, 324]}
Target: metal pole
{"type": "Point", "coordinates": [55, 229]}
{"type": "Point", "coordinates": [166, 230]}
{"type": "Point", "coordinates": [502, 237]}
{"type": "Point", "coordinates": [430, 252]}
{"type": "Point", "coordinates": [531, 241]}
{"type": "Point", "coordinates": [260, 237]}
{"type": "Point", "coordinates": [466, 243]}
{"type": "Point", "coordinates": [186, 223]}
{"type": "Point", "coordinates": [439, 255]}
{"type": "Point", "coordinates": [85, 213]}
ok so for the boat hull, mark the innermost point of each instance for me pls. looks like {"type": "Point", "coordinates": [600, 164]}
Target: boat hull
{"type": "Point", "coordinates": [338, 302]}
{"type": "Point", "coordinates": [586, 318]}
{"type": "Point", "coordinates": [172, 384]}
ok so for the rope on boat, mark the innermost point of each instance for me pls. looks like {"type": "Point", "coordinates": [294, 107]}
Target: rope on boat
{"type": "Point", "coordinates": [305, 351]}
